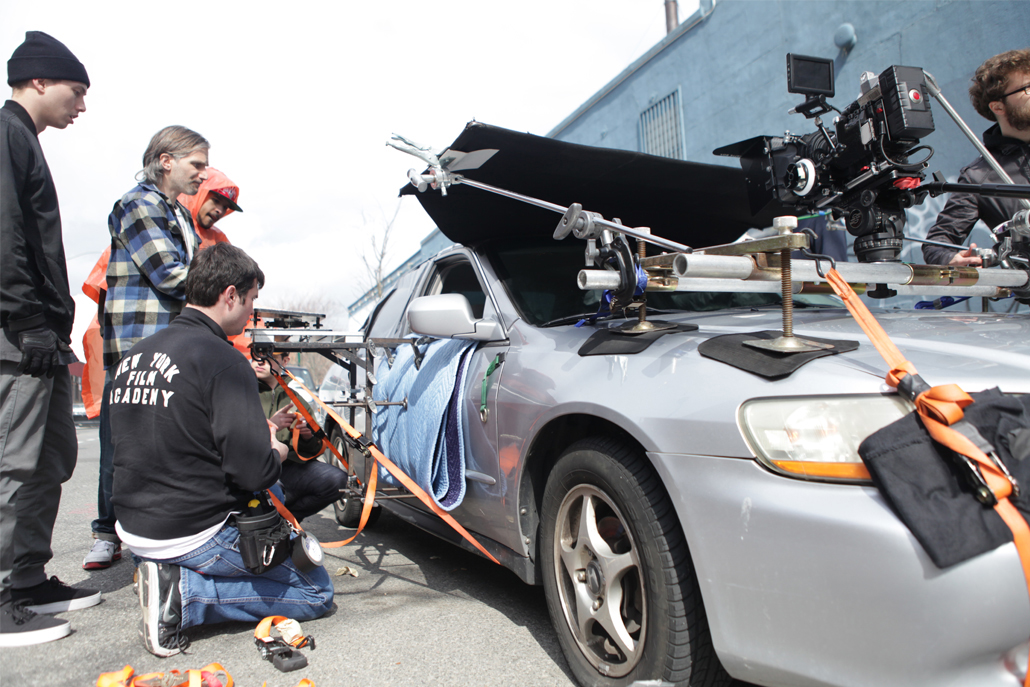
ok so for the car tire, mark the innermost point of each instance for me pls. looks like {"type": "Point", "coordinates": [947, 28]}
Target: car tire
{"type": "Point", "coordinates": [348, 510]}
{"type": "Point", "coordinates": [634, 554]}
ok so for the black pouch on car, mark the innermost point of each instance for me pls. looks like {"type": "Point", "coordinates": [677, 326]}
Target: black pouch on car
{"type": "Point", "coordinates": [928, 488]}
{"type": "Point", "coordinates": [264, 539]}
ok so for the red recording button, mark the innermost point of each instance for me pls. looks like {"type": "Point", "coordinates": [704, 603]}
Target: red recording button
{"type": "Point", "coordinates": [915, 95]}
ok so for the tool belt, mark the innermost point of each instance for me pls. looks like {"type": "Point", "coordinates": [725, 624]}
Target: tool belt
{"type": "Point", "coordinates": [264, 539]}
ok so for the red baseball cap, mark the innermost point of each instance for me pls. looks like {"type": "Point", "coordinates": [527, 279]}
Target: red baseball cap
{"type": "Point", "coordinates": [230, 193]}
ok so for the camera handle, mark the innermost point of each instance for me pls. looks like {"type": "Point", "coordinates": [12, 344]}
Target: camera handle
{"type": "Point", "coordinates": [814, 106]}
{"type": "Point", "coordinates": [939, 186]}
{"type": "Point", "coordinates": [935, 91]}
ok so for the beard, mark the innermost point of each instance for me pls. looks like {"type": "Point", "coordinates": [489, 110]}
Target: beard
{"type": "Point", "coordinates": [1019, 117]}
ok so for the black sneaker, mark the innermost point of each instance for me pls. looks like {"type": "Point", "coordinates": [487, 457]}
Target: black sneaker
{"type": "Point", "coordinates": [161, 603]}
{"type": "Point", "coordinates": [21, 627]}
{"type": "Point", "coordinates": [54, 596]}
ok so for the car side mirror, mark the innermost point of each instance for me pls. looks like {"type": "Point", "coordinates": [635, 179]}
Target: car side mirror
{"type": "Point", "coordinates": [449, 316]}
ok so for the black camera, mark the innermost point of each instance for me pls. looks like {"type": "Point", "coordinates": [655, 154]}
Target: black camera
{"type": "Point", "coordinates": [860, 170]}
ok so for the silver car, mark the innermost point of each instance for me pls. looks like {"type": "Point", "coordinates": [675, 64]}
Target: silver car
{"type": "Point", "coordinates": [691, 521]}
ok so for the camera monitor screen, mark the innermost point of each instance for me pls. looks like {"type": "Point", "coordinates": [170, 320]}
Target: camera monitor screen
{"type": "Point", "coordinates": [809, 75]}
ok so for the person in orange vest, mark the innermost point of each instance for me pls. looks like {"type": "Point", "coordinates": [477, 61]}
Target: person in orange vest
{"type": "Point", "coordinates": [216, 199]}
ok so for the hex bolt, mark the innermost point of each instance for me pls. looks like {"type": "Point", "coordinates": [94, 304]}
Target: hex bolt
{"type": "Point", "coordinates": [581, 575]}
{"type": "Point", "coordinates": [597, 603]}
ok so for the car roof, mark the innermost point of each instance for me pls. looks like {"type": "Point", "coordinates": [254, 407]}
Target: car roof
{"type": "Point", "coordinates": [689, 202]}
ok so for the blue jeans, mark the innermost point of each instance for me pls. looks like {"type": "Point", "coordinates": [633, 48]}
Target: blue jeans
{"type": "Point", "coordinates": [311, 486]}
{"type": "Point", "coordinates": [217, 587]}
{"type": "Point", "coordinates": [103, 526]}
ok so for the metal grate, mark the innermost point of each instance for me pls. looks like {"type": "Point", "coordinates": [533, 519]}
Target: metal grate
{"type": "Point", "coordinates": [661, 128]}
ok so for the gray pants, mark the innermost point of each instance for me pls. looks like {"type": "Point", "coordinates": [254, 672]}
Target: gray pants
{"type": "Point", "coordinates": [38, 449]}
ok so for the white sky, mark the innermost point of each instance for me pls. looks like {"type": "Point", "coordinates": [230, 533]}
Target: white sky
{"type": "Point", "coordinates": [298, 100]}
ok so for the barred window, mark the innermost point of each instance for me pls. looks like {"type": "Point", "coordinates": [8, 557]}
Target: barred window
{"type": "Point", "coordinates": [661, 128]}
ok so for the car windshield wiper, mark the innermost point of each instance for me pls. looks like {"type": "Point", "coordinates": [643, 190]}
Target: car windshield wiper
{"type": "Point", "coordinates": [571, 319]}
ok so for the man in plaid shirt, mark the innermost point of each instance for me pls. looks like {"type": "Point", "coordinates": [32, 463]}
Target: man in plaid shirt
{"type": "Point", "coordinates": [152, 242]}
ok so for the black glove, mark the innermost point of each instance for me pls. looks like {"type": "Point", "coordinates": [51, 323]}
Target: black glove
{"type": "Point", "coordinates": [38, 352]}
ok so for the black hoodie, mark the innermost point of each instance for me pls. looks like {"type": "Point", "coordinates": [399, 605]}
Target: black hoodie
{"type": "Point", "coordinates": [191, 443]}
{"type": "Point", "coordinates": [33, 272]}
{"type": "Point", "coordinates": [963, 209]}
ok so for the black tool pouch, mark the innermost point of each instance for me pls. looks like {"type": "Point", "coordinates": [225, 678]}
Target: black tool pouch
{"type": "Point", "coordinates": [264, 540]}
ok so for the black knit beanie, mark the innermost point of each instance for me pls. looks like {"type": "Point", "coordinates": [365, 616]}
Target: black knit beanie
{"type": "Point", "coordinates": [44, 57]}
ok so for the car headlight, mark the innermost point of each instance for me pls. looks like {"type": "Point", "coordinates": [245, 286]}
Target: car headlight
{"type": "Point", "coordinates": [817, 437]}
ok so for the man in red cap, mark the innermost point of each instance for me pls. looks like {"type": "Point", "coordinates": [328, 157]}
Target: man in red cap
{"type": "Point", "coordinates": [38, 448]}
{"type": "Point", "coordinates": [216, 198]}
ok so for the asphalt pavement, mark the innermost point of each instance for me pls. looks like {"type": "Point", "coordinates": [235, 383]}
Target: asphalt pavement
{"type": "Point", "coordinates": [419, 612]}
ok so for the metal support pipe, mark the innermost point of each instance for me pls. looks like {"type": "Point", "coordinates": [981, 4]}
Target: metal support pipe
{"type": "Point", "coordinates": [592, 280]}
{"type": "Point", "coordinates": [721, 266]}
{"type": "Point", "coordinates": [629, 231]}
{"type": "Point", "coordinates": [694, 265]}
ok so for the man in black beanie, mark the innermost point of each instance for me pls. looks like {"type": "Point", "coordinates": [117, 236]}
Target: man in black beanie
{"type": "Point", "coordinates": [38, 446]}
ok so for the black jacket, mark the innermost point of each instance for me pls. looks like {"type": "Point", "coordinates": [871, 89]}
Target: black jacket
{"type": "Point", "coordinates": [33, 273]}
{"type": "Point", "coordinates": [191, 442]}
{"type": "Point", "coordinates": [962, 210]}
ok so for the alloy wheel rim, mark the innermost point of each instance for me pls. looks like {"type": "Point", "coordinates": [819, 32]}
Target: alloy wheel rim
{"type": "Point", "coordinates": [600, 585]}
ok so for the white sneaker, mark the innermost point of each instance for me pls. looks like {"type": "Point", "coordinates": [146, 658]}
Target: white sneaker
{"type": "Point", "coordinates": [103, 554]}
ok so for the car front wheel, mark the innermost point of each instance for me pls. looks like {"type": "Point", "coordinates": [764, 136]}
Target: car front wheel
{"type": "Point", "coordinates": [618, 578]}
{"type": "Point", "coordinates": [347, 508]}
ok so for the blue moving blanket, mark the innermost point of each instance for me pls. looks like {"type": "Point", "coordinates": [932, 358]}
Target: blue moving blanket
{"type": "Point", "coordinates": [426, 440]}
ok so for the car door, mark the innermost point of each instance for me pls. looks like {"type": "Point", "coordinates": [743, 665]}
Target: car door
{"type": "Point", "coordinates": [482, 509]}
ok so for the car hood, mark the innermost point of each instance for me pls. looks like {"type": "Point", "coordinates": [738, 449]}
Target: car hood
{"type": "Point", "coordinates": [692, 203]}
{"type": "Point", "coordinates": [981, 349]}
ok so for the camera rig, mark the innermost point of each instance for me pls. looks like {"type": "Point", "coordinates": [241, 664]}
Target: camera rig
{"type": "Point", "coordinates": [862, 171]}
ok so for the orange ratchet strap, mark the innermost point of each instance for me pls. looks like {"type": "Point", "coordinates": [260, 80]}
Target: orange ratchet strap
{"type": "Point", "coordinates": [300, 407]}
{"type": "Point", "coordinates": [940, 407]}
{"type": "Point", "coordinates": [211, 675]}
{"type": "Point", "coordinates": [370, 489]}
{"type": "Point", "coordinates": [264, 629]}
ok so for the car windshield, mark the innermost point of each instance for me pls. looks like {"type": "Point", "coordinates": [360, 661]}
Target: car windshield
{"type": "Point", "coordinates": [540, 278]}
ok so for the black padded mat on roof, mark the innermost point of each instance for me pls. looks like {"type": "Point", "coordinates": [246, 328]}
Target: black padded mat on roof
{"type": "Point", "coordinates": [688, 202]}
{"type": "Point", "coordinates": [730, 349]}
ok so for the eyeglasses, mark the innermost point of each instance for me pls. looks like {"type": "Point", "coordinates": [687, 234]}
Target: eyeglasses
{"type": "Point", "coordinates": [1025, 88]}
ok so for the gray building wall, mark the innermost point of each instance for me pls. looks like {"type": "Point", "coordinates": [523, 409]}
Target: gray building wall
{"type": "Point", "coordinates": [729, 63]}
{"type": "Point", "coordinates": [731, 68]}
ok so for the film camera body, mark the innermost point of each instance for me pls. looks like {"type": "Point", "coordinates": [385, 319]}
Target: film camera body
{"type": "Point", "coordinates": [861, 169]}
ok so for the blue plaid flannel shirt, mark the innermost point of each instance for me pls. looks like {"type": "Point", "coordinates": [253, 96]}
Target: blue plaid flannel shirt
{"type": "Point", "coordinates": [146, 276]}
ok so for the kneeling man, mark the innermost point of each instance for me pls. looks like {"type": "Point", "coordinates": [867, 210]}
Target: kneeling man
{"type": "Point", "coordinates": [191, 448]}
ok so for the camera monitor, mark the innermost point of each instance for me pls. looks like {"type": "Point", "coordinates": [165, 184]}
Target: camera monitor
{"type": "Point", "coordinates": [809, 75]}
